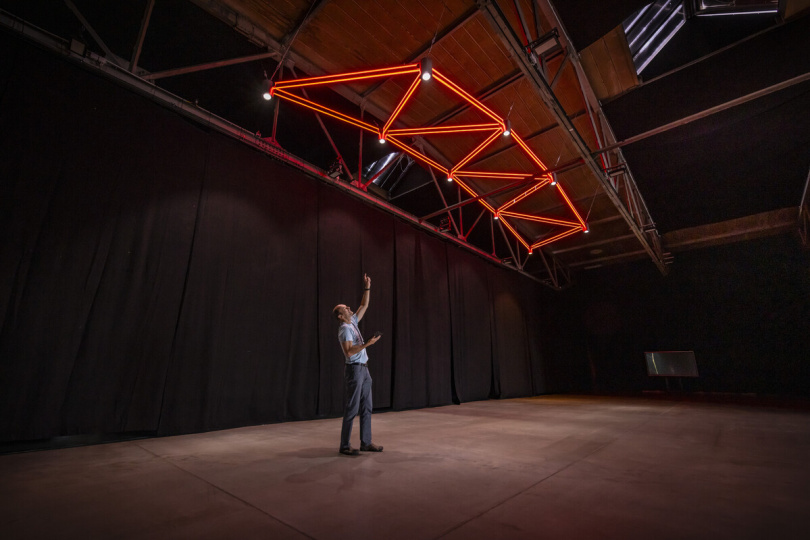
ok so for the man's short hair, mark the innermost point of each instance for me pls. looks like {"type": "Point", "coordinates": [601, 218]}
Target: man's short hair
{"type": "Point", "coordinates": [336, 311]}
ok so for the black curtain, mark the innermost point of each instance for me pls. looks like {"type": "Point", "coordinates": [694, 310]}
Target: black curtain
{"type": "Point", "coordinates": [158, 277]}
{"type": "Point", "coordinates": [471, 320]}
{"type": "Point", "coordinates": [422, 321]}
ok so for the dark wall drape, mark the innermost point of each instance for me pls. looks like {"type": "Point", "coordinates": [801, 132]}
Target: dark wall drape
{"type": "Point", "coordinates": [744, 309]}
{"type": "Point", "coordinates": [158, 277]}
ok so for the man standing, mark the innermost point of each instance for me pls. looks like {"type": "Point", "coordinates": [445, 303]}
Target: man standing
{"type": "Point", "coordinates": [357, 380]}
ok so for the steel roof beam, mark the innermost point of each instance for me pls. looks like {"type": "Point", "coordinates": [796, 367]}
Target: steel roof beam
{"type": "Point", "coordinates": [501, 25]}
{"type": "Point", "coordinates": [210, 65]}
{"type": "Point", "coordinates": [315, 8]}
{"type": "Point", "coordinates": [136, 53]}
{"type": "Point", "coordinates": [707, 112]}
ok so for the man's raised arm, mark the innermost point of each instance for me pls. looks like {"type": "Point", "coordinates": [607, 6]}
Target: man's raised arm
{"type": "Point", "coordinates": [361, 310]}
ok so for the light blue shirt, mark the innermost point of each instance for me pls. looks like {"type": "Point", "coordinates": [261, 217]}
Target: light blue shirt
{"type": "Point", "coordinates": [350, 332]}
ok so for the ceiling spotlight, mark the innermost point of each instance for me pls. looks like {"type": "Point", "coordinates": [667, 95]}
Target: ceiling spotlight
{"type": "Point", "coordinates": [268, 85]}
{"type": "Point", "coordinates": [587, 230]}
{"type": "Point", "coordinates": [449, 177]}
{"type": "Point", "coordinates": [530, 252]}
{"type": "Point", "coordinates": [426, 67]}
{"type": "Point", "coordinates": [496, 216]}
{"type": "Point", "coordinates": [508, 129]}
{"type": "Point", "coordinates": [553, 179]}
{"type": "Point", "coordinates": [382, 140]}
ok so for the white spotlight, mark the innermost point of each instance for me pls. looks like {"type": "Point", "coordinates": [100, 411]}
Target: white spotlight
{"type": "Point", "coordinates": [382, 141]}
{"type": "Point", "coordinates": [449, 177]}
{"type": "Point", "coordinates": [268, 85]}
{"type": "Point", "coordinates": [553, 179]}
{"type": "Point", "coordinates": [508, 130]}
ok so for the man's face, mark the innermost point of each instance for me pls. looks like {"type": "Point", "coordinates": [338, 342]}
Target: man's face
{"type": "Point", "coordinates": [345, 312]}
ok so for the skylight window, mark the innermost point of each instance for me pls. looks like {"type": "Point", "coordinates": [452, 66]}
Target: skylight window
{"type": "Point", "coordinates": [650, 29]}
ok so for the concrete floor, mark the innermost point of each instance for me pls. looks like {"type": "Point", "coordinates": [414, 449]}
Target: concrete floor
{"type": "Point", "coordinates": [546, 467]}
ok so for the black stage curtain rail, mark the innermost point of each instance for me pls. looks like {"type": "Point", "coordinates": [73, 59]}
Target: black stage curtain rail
{"type": "Point", "coordinates": [158, 277]}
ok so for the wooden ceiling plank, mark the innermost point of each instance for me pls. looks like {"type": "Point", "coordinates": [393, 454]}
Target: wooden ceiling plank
{"type": "Point", "coordinates": [385, 21]}
{"type": "Point", "coordinates": [420, 52]}
{"type": "Point", "coordinates": [621, 59]}
{"type": "Point", "coordinates": [591, 69]}
{"type": "Point", "coordinates": [472, 49]}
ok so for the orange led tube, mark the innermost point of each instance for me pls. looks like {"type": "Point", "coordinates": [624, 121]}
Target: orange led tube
{"type": "Point", "coordinates": [484, 174]}
{"type": "Point", "coordinates": [402, 102]}
{"type": "Point", "coordinates": [541, 219]}
{"type": "Point", "coordinates": [571, 206]}
{"type": "Point", "coordinates": [523, 195]}
{"type": "Point", "coordinates": [475, 152]}
{"type": "Point", "coordinates": [555, 238]}
{"type": "Point", "coordinates": [474, 194]}
{"type": "Point", "coordinates": [528, 151]}
{"type": "Point", "coordinates": [418, 155]}
{"type": "Point", "coordinates": [468, 98]}
{"type": "Point", "coordinates": [347, 77]}
{"type": "Point", "coordinates": [325, 110]}
{"type": "Point", "coordinates": [443, 129]}
{"type": "Point", "coordinates": [520, 238]}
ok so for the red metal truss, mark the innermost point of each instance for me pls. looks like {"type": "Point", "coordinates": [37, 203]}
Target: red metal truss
{"type": "Point", "coordinates": [421, 72]}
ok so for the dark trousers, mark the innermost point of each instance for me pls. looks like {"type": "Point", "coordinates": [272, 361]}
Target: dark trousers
{"type": "Point", "coordinates": [357, 382]}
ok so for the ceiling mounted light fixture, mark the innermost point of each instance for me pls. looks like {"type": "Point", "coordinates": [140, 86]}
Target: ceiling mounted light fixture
{"type": "Point", "coordinates": [508, 130]}
{"type": "Point", "coordinates": [426, 68]}
{"type": "Point", "coordinates": [268, 86]}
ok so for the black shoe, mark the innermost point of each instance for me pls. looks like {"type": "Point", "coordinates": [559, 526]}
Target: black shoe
{"type": "Point", "coordinates": [351, 451]}
{"type": "Point", "coordinates": [370, 448]}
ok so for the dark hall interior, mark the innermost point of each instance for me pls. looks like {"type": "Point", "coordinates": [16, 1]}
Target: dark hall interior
{"type": "Point", "coordinates": [168, 364]}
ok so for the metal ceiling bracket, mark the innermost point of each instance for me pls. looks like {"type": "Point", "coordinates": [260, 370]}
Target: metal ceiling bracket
{"type": "Point", "coordinates": [502, 26]}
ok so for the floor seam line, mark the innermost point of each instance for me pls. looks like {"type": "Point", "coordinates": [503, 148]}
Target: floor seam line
{"type": "Point", "coordinates": [238, 498]}
{"type": "Point", "coordinates": [527, 488]}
